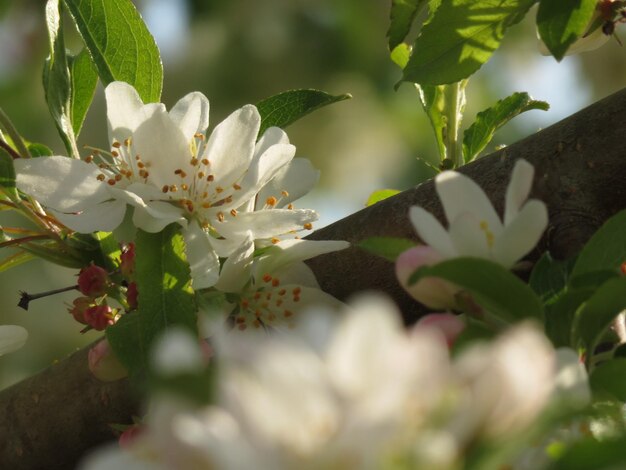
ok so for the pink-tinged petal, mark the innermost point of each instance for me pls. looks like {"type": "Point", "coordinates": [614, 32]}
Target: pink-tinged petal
{"type": "Point", "coordinates": [12, 338]}
{"type": "Point", "coordinates": [191, 114]}
{"type": "Point", "coordinates": [105, 217]}
{"type": "Point", "coordinates": [522, 234]}
{"type": "Point", "coordinates": [265, 224]}
{"type": "Point", "coordinates": [103, 363]}
{"type": "Point", "coordinates": [459, 194]}
{"type": "Point", "coordinates": [237, 268]}
{"type": "Point", "coordinates": [61, 183]}
{"type": "Point", "coordinates": [231, 145]}
{"type": "Point", "coordinates": [296, 178]}
{"type": "Point", "coordinates": [448, 324]}
{"type": "Point", "coordinates": [432, 232]}
{"type": "Point", "coordinates": [203, 260]}
{"type": "Point", "coordinates": [469, 238]}
{"type": "Point", "coordinates": [125, 110]}
{"type": "Point", "coordinates": [430, 291]}
{"type": "Point", "coordinates": [518, 189]}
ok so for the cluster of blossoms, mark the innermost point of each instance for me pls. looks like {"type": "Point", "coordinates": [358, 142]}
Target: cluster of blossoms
{"type": "Point", "coordinates": [351, 391]}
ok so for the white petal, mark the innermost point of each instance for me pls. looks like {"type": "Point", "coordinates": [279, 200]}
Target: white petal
{"type": "Point", "coordinates": [589, 42]}
{"type": "Point", "coordinates": [460, 194]}
{"type": "Point", "coordinates": [106, 458]}
{"type": "Point", "coordinates": [265, 224]}
{"type": "Point", "coordinates": [191, 113]}
{"type": "Point", "coordinates": [125, 110]}
{"type": "Point", "coordinates": [518, 189]}
{"type": "Point", "coordinates": [12, 338]}
{"type": "Point", "coordinates": [237, 268]}
{"type": "Point", "coordinates": [468, 238]}
{"type": "Point", "coordinates": [272, 136]}
{"type": "Point", "coordinates": [290, 251]}
{"type": "Point", "coordinates": [203, 261]}
{"type": "Point", "coordinates": [432, 232]}
{"type": "Point", "coordinates": [155, 216]}
{"type": "Point", "coordinates": [104, 217]}
{"type": "Point", "coordinates": [522, 234]}
{"type": "Point", "coordinates": [177, 351]}
{"type": "Point", "coordinates": [297, 178]}
{"type": "Point", "coordinates": [62, 183]}
{"type": "Point", "coordinates": [231, 145]}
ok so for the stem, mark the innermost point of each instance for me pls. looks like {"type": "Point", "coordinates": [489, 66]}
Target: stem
{"type": "Point", "coordinates": [455, 104]}
{"type": "Point", "coordinates": [8, 127]}
{"type": "Point", "coordinates": [9, 149]}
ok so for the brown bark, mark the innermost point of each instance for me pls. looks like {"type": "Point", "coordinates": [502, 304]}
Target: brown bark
{"type": "Point", "coordinates": [51, 419]}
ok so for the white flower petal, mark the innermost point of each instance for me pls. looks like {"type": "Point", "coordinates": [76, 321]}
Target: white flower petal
{"type": "Point", "coordinates": [191, 113]}
{"type": "Point", "coordinates": [265, 224]}
{"type": "Point", "coordinates": [104, 217]}
{"type": "Point", "coordinates": [157, 215]}
{"type": "Point", "coordinates": [12, 338]}
{"type": "Point", "coordinates": [518, 189]}
{"type": "Point", "coordinates": [177, 351]}
{"type": "Point", "coordinates": [459, 194]}
{"type": "Point", "coordinates": [468, 238]}
{"type": "Point", "coordinates": [521, 235]}
{"type": "Point", "coordinates": [231, 145]}
{"type": "Point", "coordinates": [290, 251]}
{"type": "Point", "coordinates": [272, 136]}
{"type": "Point", "coordinates": [237, 268]}
{"type": "Point", "coordinates": [432, 232]}
{"type": "Point", "coordinates": [61, 183]}
{"type": "Point", "coordinates": [203, 260]}
{"type": "Point", "coordinates": [296, 178]}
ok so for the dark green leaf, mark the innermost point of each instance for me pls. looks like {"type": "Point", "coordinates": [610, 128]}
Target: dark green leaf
{"type": "Point", "coordinates": [591, 454]}
{"type": "Point", "coordinates": [549, 276]}
{"type": "Point", "coordinates": [492, 287]}
{"type": "Point", "coordinates": [609, 378]}
{"type": "Point", "coordinates": [487, 122]}
{"type": "Point", "coordinates": [561, 22]}
{"type": "Point", "coordinates": [386, 247]}
{"type": "Point", "coordinates": [39, 150]}
{"type": "Point", "coordinates": [84, 80]}
{"type": "Point", "coordinates": [165, 297]}
{"type": "Point", "coordinates": [7, 174]}
{"type": "Point", "coordinates": [606, 250]}
{"type": "Point", "coordinates": [560, 315]}
{"type": "Point", "coordinates": [460, 38]}
{"type": "Point", "coordinates": [120, 44]}
{"type": "Point", "coordinates": [287, 107]}
{"type": "Point", "coordinates": [403, 13]}
{"type": "Point", "coordinates": [109, 248]}
{"type": "Point", "coordinates": [598, 312]}
{"type": "Point", "coordinates": [380, 195]}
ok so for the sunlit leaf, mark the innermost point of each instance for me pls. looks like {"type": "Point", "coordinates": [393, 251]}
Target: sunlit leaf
{"type": "Point", "coordinates": [380, 195]}
{"type": "Point", "coordinates": [84, 80]}
{"type": "Point", "coordinates": [386, 247]}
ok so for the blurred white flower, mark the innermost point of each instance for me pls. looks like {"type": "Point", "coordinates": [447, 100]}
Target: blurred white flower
{"type": "Point", "coordinates": [12, 338]}
{"type": "Point", "coordinates": [475, 229]}
{"type": "Point", "coordinates": [162, 165]}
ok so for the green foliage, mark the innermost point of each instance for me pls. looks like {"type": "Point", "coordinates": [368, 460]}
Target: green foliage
{"type": "Point", "coordinates": [15, 260]}
{"type": "Point", "coordinates": [287, 107]}
{"type": "Point", "coordinates": [7, 175]}
{"type": "Point", "coordinates": [403, 13]}
{"type": "Point", "coordinates": [561, 22]}
{"type": "Point", "coordinates": [433, 99]}
{"type": "Point", "coordinates": [120, 44]}
{"type": "Point", "coordinates": [165, 297]}
{"type": "Point", "coordinates": [84, 80]}
{"type": "Point", "coordinates": [550, 276]}
{"type": "Point", "coordinates": [560, 313]}
{"type": "Point", "coordinates": [606, 249]}
{"type": "Point", "coordinates": [386, 247]}
{"type": "Point", "coordinates": [493, 287]}
{"type": "Point", "coordinates": [487, 122]}
{"type": "Point", "coordinates": [609, 379]}
{"type": "Point", "coordinates": [460, 38]}
{"type": "Point", "coordinates": [39, 150]}
{"type": "Point", "coordinates": [380, 195]}
{"type": "Point", "coordinates": [589, 453]}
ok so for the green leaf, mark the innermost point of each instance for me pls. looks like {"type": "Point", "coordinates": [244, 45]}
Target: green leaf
{"type": "Point", "coordinates": [596, 315]}
{"type": "Point", "coordinates": [589, 453]}
{"type": "Point", "coordinates": [480, 133]}
{"type": "Point", "coordinates": [433, 99]}
{"type": "Point", "coordinates": [84, 80]}
{"type": "Point", "coordinates": [560, 315]}
{"type": "Point", "coordinates": [460, 38]}
{"type": "Point", "coordinates": [609, 378]}
{"type": "Point", "coordinates": [7, 175]}
{"type": "Point", "coordinates": [606, 250]}
{"type": "Point", "coordinates": [386, 247]}
{"type": "Point", "coordinates": [56, 78]}
{"type": "Point", "coordinates": [287, 107]}
{"type": "Point", "coordinates": [39, 150]}
{"type": "Point", "coordinates": [492, 287]}
{"type": "Point", "coordinates": [561, 22]}
{"type": "Point", "coordinates": [120, 44]}
{"type": "Point", "coordinates": [15, 260]}
{"type": "Point", "coordinates": [165, 297]}
{"type": "Point", "coordinates": [110, 249]}
{"type": "Point", "coordinates": [380, 195]}
{"type": "Point", "coordinates": [549, 276]}
{"type": "Point", "coordinates": [403, 13]}
{"type": "Point", "coordinates": [400, 55]}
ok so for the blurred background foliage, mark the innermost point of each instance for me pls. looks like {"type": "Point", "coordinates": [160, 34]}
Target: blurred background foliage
{"type": "Point", "coordinates": [241, 51]}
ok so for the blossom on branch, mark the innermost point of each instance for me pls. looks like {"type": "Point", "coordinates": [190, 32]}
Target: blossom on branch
{"type": "Point", "coordinates": [12, 338]}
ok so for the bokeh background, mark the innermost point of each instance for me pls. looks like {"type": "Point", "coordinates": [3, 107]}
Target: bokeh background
{"type": "Point", "coordinates": [241, 51]}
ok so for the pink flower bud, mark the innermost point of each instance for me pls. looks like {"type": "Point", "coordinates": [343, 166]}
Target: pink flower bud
{"type": "Point", "coordinates": [432, 292]}
{"type": "Point", "coordinates": [128, 437]}
{"type": "Point", "coordinates": [127, 261]}
{"type": "Point", "coordinates": [103, 364]}
{"type": "Point", "coordinates": [93, 281]}
{"type": "Point", "coordinates": [99, 317]}
{"type": "Point", "coordinates": [448, 324]}
{"type": "Point", "coordinates": [79, 306]}
{"type": "Point", "coordinates": [132, 296]}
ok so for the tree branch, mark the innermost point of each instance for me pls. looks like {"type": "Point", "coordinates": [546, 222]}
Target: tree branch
{"type": "Point", "coordinates": [50, 420]}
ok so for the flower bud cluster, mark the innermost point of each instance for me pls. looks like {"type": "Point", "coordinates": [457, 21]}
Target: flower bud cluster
{"type": "Point", "coordinates": [96, 286]}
